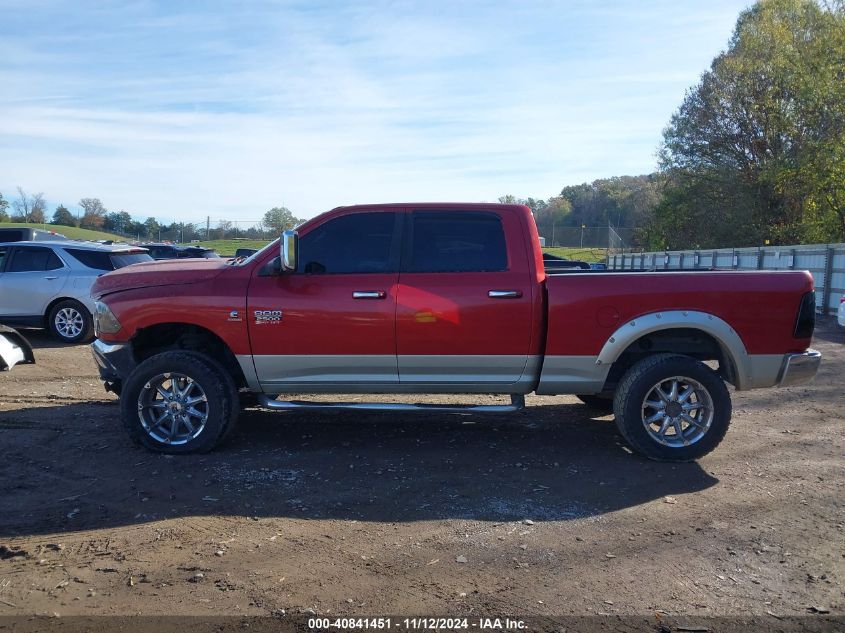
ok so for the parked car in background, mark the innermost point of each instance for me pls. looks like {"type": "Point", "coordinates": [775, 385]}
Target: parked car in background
{"type": "Point", "coordinates": [598, 266]}
{"type": "Point", "coordinates": [177, 251]}
{"type": "Point", "coordinates": [14, 349]}
{"type": "Point", "coordinates": [48, 284]}
{"type": "Point", "coordinates": [27, 234]}
{"type": "Point", "coordinates": [553, 263]}
{"type": "Point", "coordinates": [840, 315]}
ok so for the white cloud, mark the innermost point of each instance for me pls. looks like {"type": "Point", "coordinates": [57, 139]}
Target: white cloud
{"type": "Point", "coordinates": [227, 113]}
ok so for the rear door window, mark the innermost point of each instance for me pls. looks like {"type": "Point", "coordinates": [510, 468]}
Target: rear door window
{"type": "Point", "coordinates": [33, 259]}
{"type": "Point", "coordinates": [457, 241]}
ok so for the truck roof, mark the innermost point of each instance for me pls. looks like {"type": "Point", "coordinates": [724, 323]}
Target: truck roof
{"type": "Point", "coordinates": [451, 206]}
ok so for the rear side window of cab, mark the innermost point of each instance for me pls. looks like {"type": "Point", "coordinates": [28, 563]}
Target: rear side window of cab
{"type": "Point", "coordinates": [98, 260]}
{"type": "Point", "coordinates": [446, 242]}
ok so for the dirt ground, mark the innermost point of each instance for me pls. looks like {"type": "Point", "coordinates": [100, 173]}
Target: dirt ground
{"type": "Point", "coordinates": [543, 512]}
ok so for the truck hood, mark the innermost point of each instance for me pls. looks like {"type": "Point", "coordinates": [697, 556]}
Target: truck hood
{"type": "Point", "coordinates": [158, 273]}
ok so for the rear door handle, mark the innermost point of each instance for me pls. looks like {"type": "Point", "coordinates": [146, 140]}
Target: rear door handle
{"type": "Point", "coordinates": [504, 294]}
{"type": "Point", "coordinates": [50, 278]}
{"type": "Point", "coordinates": [369, 294]}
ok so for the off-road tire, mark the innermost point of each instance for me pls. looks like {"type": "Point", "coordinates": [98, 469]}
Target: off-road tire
{"type": "Point", "coordinates": [221, 404]}
{"type": "Point", "coordinates": [637, 383]}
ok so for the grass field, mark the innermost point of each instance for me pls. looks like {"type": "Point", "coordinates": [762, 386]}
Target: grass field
{"type": "Point", "coordinates": [589, 255]}
{"type": "Point", "coordinates": [227, 248]}
{"type": "Point", "coordinates": [68, 231]}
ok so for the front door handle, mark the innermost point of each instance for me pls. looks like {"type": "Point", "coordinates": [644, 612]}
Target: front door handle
{"type": "Point", "coordinates": [504, 294]}
{"type": "Point", "coordinates": [369, 294]}
{"type": "Point", "coordinates": [51, 278]}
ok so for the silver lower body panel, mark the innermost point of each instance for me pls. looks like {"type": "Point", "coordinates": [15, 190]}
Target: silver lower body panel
{"type": "Point", "coordinates": [572, 374]}
{"type": "Point", "coordinates": [489, 374]}
{"type": "Point", "coordinates": [781, 370]}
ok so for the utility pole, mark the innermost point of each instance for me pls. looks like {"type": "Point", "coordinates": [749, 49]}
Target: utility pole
{"type": "Point", "coordinates": [207, 227]}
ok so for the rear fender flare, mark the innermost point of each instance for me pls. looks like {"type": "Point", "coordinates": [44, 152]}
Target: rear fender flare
{"type": "Point", "coordinates": [724, 334]}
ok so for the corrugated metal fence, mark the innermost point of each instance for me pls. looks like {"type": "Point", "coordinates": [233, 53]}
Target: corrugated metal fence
{"type": "Point", "coordinates": [826, 262]}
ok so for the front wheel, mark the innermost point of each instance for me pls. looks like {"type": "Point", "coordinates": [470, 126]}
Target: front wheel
{"type": "Point", "coordinates": [178, 402]}
{"type": "Point", "coordinates": [672, 408]}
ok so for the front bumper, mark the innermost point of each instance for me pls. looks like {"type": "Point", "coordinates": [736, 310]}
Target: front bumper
{"type": "Point", "coordinates": [799, 368]}
{"type": "Point", "coordinates": [115, 361]}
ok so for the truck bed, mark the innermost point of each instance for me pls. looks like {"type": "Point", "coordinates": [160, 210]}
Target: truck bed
{"type": "Point", "coordinates": [595, 316]}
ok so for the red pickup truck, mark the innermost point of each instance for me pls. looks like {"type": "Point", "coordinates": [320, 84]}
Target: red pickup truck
{"type": "Point", "coordinates": [441, 298]}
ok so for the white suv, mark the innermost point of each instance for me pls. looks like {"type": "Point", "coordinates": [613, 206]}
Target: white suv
{"type": "Point", "coordinates": [48, 284]}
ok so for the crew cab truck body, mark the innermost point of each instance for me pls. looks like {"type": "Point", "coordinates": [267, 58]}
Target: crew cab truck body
{"type": "Point", "coordinates": [442, 298]}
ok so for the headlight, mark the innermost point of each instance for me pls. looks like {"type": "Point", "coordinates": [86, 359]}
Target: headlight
{"type": "Point", "coordinates": [104, 320]}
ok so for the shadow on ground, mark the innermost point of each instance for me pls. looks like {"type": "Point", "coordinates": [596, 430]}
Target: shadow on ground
{"type": "Point", "coordinates": [72, 468]}
{"type": "Point", "coordinates": [42, 339]}
{"type": "Point", "coordinates": [827, 329]}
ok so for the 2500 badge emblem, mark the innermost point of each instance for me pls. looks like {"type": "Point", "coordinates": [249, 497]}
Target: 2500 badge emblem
{"type": "Point", "coordinates": [268, 316]}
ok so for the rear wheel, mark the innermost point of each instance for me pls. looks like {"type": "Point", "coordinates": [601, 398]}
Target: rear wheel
{"type": "Point", "coordinates": [179, 402]}
{"type": "Point", "coordinates": [672, 408]}
{"type": "Point", "coordinates": [70, 322]}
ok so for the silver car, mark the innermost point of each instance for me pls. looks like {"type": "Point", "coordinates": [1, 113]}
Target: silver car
{"type": "Point", "coordinates": [48, 284]}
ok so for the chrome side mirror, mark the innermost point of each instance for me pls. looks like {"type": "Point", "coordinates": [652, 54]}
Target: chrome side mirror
{"type": "Point", "coordinates": [288, 250]}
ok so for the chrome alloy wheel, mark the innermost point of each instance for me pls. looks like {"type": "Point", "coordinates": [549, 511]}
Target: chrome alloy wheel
{"type": "Point", "coordinates": [677, 411]}
{"type": "Point", "coordinates": [173, 408]}
{"type": "Point", "coordinates": [69, 322]}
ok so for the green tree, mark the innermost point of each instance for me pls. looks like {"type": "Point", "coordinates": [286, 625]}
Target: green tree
{"type": "Point", "coordinates": [757, 149]}
{"type": "Point", "coordinates": [63, 217]}
{"type": "Point", "coordinates": [4, 204]}
{"type": "Point", "coordinates": [550, 216]}
{"type": "Point", "coordinates": [279, 219]}
{"type": "Point", "coordinates": [138, 229]}
{"type": "Point", "coordinates": [627, 201]}
{"type": "Point", "coordinates": [117, 222]}
{"type": "Point", "coordinates": [151, 228]}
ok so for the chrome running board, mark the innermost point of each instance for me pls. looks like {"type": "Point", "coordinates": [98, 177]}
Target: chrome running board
{"type": "Point", "coordinates": [517, 403]}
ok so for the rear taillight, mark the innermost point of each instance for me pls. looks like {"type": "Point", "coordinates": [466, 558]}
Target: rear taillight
{"type": "Point", "coordinates": [806, 322]}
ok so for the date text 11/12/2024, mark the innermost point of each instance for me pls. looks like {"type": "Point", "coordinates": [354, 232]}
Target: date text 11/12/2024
{"type": "Point", "coordinates": [417, 623]}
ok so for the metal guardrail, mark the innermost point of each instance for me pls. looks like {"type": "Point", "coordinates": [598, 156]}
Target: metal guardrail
{"type": "Point", "coordinates": [826, 262]}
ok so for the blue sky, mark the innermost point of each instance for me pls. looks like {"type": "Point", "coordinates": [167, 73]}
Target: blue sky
{"type": "Point", "coordinates": [181, 110]}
